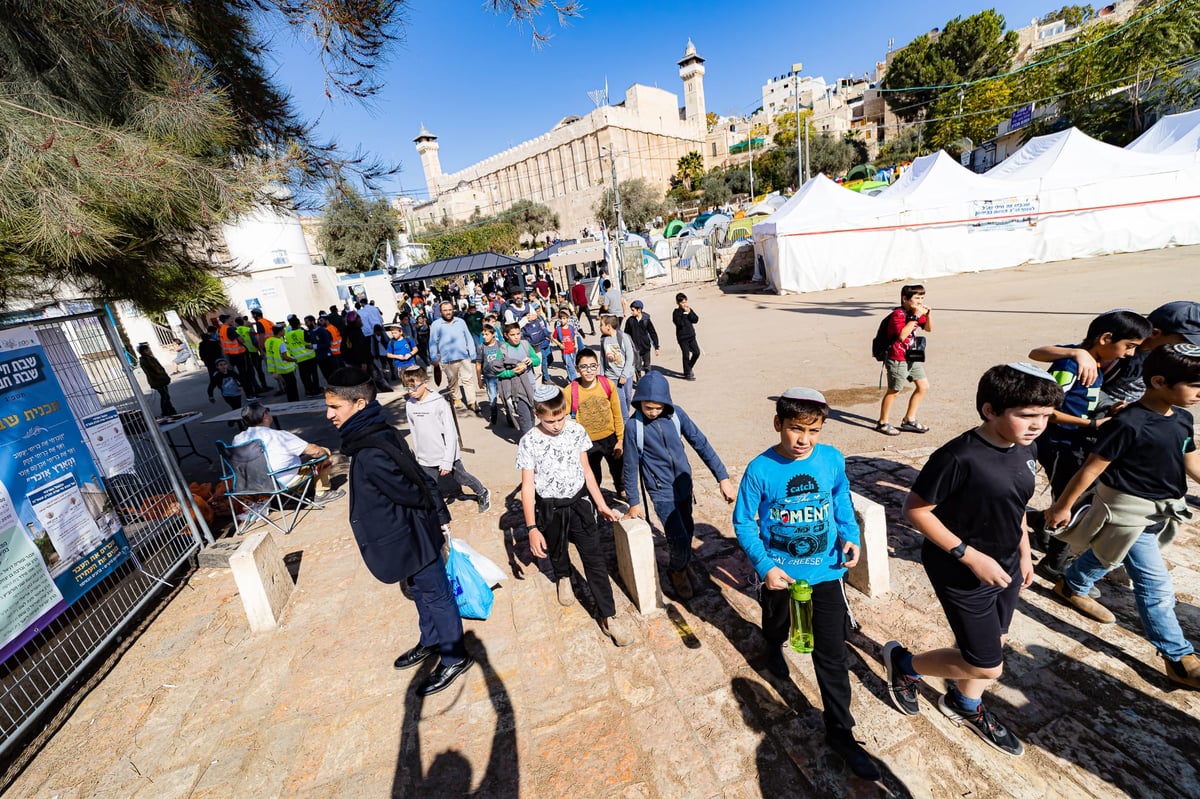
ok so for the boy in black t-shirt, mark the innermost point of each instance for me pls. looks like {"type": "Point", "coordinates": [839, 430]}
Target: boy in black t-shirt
{"type": "Point", "coordinates": [1142, 461]}
{"type": "Point", "coordinates": [969, 503]}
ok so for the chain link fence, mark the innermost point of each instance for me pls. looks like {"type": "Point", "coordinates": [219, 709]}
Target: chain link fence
{"type": "Point", "coordinates": [152, 503]}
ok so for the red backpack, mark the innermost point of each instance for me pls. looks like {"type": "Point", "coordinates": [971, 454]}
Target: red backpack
{"type": "Point", "coordinates": [604, 381]}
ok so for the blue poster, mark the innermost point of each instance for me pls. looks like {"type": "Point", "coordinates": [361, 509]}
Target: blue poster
{"type": "Point", "coordinates": [59, 534]}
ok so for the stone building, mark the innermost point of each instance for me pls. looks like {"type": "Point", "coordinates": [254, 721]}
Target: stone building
{"type": "Point", "coordinates": [568, 167]}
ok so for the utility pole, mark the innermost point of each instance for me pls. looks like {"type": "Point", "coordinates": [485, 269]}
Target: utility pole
{"type": "Point", "coordinates": [617, 241]}
{"type": "Point", "coordinates": [807, 150]}
{"type": "Point", "coordinates": [799, 153]}
{"type": "Point", "coordinates": [750, 142]}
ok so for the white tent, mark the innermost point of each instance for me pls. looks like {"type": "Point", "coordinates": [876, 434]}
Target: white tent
{"type": "Point", "coordinates": [1061, 196]}
{"type": "Point", "coordinates": [1174, 134]}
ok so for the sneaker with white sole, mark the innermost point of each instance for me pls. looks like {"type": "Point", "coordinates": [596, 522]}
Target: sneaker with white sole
{"type": "Point", "coordinates": [331, 495]}
{"type": "Point", "coordinates": [983, 724]}
{"type": "Point", "coordinates": [902, 689]}
{"type": "Point", "coordinates": [485, 501]}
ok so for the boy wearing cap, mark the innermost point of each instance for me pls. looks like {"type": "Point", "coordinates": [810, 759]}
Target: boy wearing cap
{"type": "Point", "coordinates": [641, 332]}
{"type": "Point", "coordinates": [795, 521]}
{"type": "Point", "coordinates": [435, 436]}
{"type": "Point", "coordinates": [656, 433]}
{"type": "Point", "coordinates": [969, 503]}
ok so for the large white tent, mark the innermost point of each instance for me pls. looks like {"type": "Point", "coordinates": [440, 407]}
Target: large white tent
{"type": "Point", "coordinates": [1061, 196]}
{"type": "Point", "coordinates": [1175, 134]}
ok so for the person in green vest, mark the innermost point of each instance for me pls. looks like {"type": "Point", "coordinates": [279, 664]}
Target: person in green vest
{"type": "Point", "coordinates": [255, 373]}
{"type": "Point", "coordinates": [280, 362]}
{"type": "Point", "coordinates": [299, 344]}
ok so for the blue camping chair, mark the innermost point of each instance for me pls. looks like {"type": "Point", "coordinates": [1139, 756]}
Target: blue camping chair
{"type": "Point", "coordinates": [254, 490]}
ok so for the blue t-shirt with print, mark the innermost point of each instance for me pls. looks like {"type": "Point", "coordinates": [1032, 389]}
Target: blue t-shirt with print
{"type": "Point", "coordinates": [1078, 400]}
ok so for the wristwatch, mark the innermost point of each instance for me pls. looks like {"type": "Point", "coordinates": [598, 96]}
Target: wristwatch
{"type": "Point", "coordinates": [959, 551]}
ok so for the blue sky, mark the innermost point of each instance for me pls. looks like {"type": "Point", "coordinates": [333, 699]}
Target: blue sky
{"type": "Point", "coordinates": [476, 81]}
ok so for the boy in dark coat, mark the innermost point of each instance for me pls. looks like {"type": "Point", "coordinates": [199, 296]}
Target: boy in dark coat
{"type": "Point", "coordinates": [399, 521]}
{"type": "Point", "coordinates": [654, 437]}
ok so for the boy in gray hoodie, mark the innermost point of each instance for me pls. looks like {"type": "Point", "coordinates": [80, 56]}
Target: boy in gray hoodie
{"type": "Point", "coordinates": [435, 436]}
{"type": "Point", "coordinates": [654, 451]}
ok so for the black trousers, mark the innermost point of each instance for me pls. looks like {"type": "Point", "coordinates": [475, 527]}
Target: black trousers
{"type": "Point", "coordinates": [602, 451]}
{"type": "Point", "coordinates": [829, 645]}
{"type": "Point", "coordinates": [308, 374]}
{"type": "Point", "coordinates": [241, 364]}
{"type": "Point", "coordinates": [256, 364]}
{"type": "Point", "coordinates": [642, 356]}
{"type": "Point", "coordinates": [691, 354]}
{"type": "Point", "coordinates": [583, 310]}
{"type": "Point", "coordinates": [574, 520]}
{"type": "Point", "coordinates": [289, 386]}
{"type": "Point", "coordinates": [437, 612]}
{"type": "Point", "coordinates": [327, 366]}
{"type": "Point", "coordinates": [164, 396]}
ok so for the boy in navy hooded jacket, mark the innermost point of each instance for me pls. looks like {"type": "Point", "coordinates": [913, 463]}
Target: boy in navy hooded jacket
{"type": "Point", "coordinates": [654, 451]}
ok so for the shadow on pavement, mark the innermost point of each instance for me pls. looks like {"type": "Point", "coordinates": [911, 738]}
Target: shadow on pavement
{"type": "Point", "coordinates": [451, 774]}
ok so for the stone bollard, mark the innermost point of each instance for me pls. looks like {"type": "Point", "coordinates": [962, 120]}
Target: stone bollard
{"type": "Point", "coordinates": [262, 580]}
{"type": "Point", "coordinates": [872, 575]}
{"type": "Point", "coordinates": [636, 563]}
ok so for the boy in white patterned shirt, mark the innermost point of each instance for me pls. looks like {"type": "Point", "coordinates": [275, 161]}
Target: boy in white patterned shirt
{"type": "Point", "coordinates": [556, 483]}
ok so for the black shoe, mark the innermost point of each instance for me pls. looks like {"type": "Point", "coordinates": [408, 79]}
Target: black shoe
{"type": "Point", "coordinates": [902, 689]}
{"type": "Point", "coordinates": [777, 662]}
{"type": "Point", "coordinates": [443, 675]}
{"type": "Point", "coordinates": [689, 377]}
{"type": "Point", "coordinates": [983, 724]}
{"type": "Point", "coordinates": [849, 750]}
{"type": "Point", "coordinates": [414, 656]}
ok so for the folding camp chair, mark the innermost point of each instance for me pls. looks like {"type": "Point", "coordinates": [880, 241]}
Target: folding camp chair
{"type": "Point", "coordinates": [254, 490]}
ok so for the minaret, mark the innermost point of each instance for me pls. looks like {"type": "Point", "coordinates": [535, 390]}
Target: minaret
{"type": "Point", "coordinates": [691, 69]}
{"type": "Point", "coordinates": [427, 148]}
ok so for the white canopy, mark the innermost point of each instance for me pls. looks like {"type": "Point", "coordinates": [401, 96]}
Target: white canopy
{"type": "Point", "coordinates": [1061, 196]}
{"type": "Point", "coordinates": [1174, 134]}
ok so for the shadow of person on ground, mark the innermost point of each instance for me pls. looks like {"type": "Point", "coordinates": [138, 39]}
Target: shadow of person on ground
{"type": "Point", "coordinates": [451, 774]}
{"type": "Point", "coordinates": [888, 482]}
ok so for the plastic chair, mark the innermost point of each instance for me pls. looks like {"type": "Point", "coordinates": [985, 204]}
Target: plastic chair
{"type": "Point", "coordinates": [256, 490]}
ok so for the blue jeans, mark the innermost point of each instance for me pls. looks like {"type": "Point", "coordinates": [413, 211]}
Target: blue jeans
{"type": "Point", "coordinates": [675, 513]}
{"type": "Point", "coordinates": [569, 360]}
{"type": "Point", "coordinates": [1152, 592]}
{"type": "Point", "coordinates": [492, 384]}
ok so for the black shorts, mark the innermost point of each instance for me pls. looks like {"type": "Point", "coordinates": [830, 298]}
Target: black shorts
{"type": "Point", "coordinates": [978, 614]}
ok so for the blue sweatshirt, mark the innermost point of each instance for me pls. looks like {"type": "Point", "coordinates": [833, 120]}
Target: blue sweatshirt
{"type": "Point", "coordinates": [796, 514]}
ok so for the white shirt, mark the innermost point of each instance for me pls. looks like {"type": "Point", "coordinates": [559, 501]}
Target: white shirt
{"type": "Point", "coordinates": [554, 460]}
{"type": "Point", "coordinates": [283, 449]}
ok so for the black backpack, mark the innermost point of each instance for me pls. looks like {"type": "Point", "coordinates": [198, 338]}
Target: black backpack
{"type": "Point", "coordinates": [882, 343]}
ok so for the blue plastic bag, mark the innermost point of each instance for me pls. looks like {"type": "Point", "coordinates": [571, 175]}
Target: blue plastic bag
{"type": "Point", "coordinates": [471, 592]}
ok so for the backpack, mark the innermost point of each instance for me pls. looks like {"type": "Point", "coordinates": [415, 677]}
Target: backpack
{"type": "Point", "coordinates": [604, 381]}
{"type": "Point", "coordinates": [639, 430]}
{"type": "Point", "coordinates": [881, 345]}
{"type": "Point", "coordinates": [535, 332]}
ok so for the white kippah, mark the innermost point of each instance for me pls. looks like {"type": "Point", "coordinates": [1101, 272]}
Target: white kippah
{"type": "Point", "coordinates": [1031, 369]}
{"type": "Point", "coordinates": [807, 394]}
{"type": "Point", "coordinates": [545, 393]}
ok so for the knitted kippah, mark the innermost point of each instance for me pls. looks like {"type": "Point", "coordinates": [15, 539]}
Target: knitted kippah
{"type": "Point", "coordinates": [545, 393]}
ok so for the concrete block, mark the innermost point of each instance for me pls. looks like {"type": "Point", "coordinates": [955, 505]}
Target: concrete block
{"type": "Point", "coordinates": [217, 554]}
{"type": "Point", "coordinates": [636, 564]}
{"type": "Point", "coordinates": [873, 574]}
{"type": "Point", "coordinates": [262, 580]}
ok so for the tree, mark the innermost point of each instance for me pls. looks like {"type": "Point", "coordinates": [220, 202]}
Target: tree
{"type": "Point", "coordinates": [132, 130]}
{"type": "Point", "coordinates": [716, 188]}
{"type": "Point", "coordinates": [786, 127]}
{"type": "Point", "coordinates": [354, 228]}
{"type": "Point", "coordinates": [710, 121]}
{"type": "Point", "coordinates": [690, 168]}
{"type": "Point", "coordinates": [531, 218]}
{"type": "Point", "coordinates": [639, 205]}
{"type": "Point", "coordinates": [830, 155]}
{"type": "Point", "coordinates": [1072, 15]}
{"type": "Point", "coordinates": [905, 146]}
{"type": "Point", "coordinates": [500, 237]}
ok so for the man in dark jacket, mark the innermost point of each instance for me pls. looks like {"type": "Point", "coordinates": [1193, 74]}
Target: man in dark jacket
{"type": "Point", "coordinates": [654, 437]}
{"type": "Point", "coordinates": [399, 521]}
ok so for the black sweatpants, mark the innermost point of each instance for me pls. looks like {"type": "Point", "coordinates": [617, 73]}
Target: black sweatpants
{"type": "Point", "coordinates": [829, 645]}
{"type": "Point", "coordinates": [691, 354]}
{"type": "Point", "coordinates": [601, 452]}
{"type": "Point", "coordinates": [574, 519]}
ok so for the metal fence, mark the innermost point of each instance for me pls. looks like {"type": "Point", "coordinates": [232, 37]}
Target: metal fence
{"type": "Point", "coordinates": [697, 263]}
{"type": "Point", "coordinates": [88, 360]}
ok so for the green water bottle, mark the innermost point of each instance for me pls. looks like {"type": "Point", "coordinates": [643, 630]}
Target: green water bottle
{"type": "Point", "coordinates": [801, 613]}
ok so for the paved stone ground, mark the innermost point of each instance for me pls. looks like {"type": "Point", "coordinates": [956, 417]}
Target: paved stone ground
{"type": "Point", "coordinates": [199, 707]}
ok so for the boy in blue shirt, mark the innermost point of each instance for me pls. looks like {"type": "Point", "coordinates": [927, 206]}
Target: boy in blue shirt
{"type": "Point", "coordinates": [969, 504]}
{"type": "Point", "coordinates": [654, 438]}
{"type": "Point", "coordinates": [795, 521]}
{"type": "Point", "coordinates": [1072, 430]}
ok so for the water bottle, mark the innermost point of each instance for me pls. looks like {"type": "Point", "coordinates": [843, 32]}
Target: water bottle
{"type": "Point", "coordinates": [801, 612]}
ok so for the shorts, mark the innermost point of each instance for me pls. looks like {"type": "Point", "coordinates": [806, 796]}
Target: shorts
{"type": "Point", "coordinates": [978, 614]}
{"type": "Point", "coordinates": [900, 372]}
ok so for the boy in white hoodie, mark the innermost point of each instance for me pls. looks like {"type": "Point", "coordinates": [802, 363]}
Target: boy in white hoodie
{"type": "Point", "coordinates": [435, 437]}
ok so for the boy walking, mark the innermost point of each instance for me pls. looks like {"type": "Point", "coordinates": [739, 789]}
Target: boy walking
{"type": "Point", "coordinates": [969, 503]}
{"type": "Point", "coordinates": [516, 376]}
{"type": "Point", "coordinates": [641, 332]}
{"type": "Point", "coordinates": [488, 365]}
{"type": "Point", "coordinates": [596, 405]}
{"type": "Point", "coordinates": [905, 361]}
{"type": "Point", "coordinates": [400, 523]}
{"type": "Point", "coordinates": [229, 382]}
{"type": "Point", "coordinates": [685, 320]}
{"type": "Point", "coordinates": [1110, 337]}
{"type": "Point", "coordinates": [617, 359]}
{"type": "Point", "coordinates": [566, 338]}
{"type": "Point", "coordinates": [657, 431]}
{"type": "Point", "coordinates": [579, 298]}
{"type": "Point", "coordinates": [435, 437]}
{"type": "Point", "coordinates": [794, 520]}
{"type": "Point", "coordinates": [558, 490]}
{"type": "Point", "coordinates": [1142, 460]}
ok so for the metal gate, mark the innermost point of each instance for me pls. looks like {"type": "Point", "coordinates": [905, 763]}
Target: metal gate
{"type": "Point", "coordinates": [88, 359]}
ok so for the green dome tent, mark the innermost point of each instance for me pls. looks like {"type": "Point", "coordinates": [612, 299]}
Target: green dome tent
{"type": "Point", "coordinates": [673, 228]}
